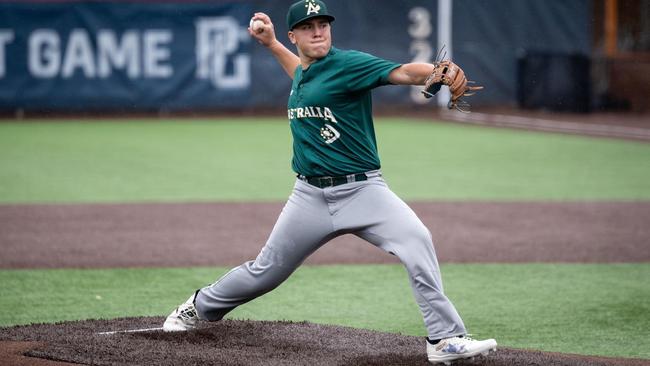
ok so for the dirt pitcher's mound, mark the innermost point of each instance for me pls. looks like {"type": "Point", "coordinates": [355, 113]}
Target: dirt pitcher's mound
{"type": "Point", "coordinates": [233, 342]}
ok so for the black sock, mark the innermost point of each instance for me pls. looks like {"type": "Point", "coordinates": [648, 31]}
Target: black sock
{"type": "Point", "coordinates": [433, 341]}
{"type": "Point", "coordinates": [436, 341]}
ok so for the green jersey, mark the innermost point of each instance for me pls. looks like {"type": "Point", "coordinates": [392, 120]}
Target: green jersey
{"type": "Point", "coordinates": [330, 112]}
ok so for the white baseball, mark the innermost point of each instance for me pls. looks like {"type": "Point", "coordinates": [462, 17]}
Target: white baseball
{"type": "Point", "coordinates": [257, 25]}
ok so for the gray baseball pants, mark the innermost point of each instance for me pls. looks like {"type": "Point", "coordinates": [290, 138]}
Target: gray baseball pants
{"type": "Point", "coordinates": [313, 216]}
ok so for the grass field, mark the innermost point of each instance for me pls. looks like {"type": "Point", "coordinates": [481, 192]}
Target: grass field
{"type": "Point", "coordinates": [565, 308]}
{"type": "Point", "coordinates": [554, 307]}
{"type": "Point", "coordinates": [249, 160]}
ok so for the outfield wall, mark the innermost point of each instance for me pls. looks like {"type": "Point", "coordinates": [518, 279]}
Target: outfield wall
{"type": "Point", "coordinates": [197, 55]}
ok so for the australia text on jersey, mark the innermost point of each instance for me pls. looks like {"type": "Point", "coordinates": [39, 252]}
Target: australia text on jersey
{"type": "Point", "coordinates": [311, 112]}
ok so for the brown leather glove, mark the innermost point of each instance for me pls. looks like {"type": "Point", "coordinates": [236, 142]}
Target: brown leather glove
{"type": "Point", "coordinates": [450, 74]}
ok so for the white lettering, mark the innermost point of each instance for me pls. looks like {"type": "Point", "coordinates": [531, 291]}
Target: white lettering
{"type": "Point", "coordinates": [44, 53]}
{"type": "Point", "coordinates": [420, 30]}
{"type": "Point", "coordinates": [421, 27]}
{"type": "Point", "coordinates": [6, 36]}
{"type": "Point", "coordinates": [217, 39]}
{"type": "Point", "coordinates": [311, 112]}
{"type": "Point", "coordinates": [121, 55]}
{"type": "Point", "coordinates": [313, 8]}
{"type": "Point", "coordinates": [329, 115]}
{"type": "Point", "coordinates": [155, 54]}
{"type": "Point", "coordinates": [78, 54]}
{"type": "Point", "coordinates": [137, 55]}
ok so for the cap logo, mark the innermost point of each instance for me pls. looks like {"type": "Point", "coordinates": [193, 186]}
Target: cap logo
{"type": "Point", "coordinates": [312, 7]}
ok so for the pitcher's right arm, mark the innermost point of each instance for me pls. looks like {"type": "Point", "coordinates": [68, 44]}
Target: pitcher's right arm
{"type": "Point", "coordinates": [287, 59]}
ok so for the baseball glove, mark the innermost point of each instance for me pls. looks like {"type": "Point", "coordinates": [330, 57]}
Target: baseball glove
{"type": "Point", "coordinates": [450, 74]}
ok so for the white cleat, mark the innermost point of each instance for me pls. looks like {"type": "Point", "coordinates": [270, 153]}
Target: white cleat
{"type": "Point", "coordinates": [183, 318]}
{"type": "Point", "coordinates": [456, 348]}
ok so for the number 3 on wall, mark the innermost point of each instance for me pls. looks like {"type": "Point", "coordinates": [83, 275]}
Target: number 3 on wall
{"type": "Point", "coordinates": [420, 29]}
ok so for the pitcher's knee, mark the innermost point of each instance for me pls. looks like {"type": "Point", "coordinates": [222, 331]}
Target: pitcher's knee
{"type": "Point", "coordinates": [417, 253]}
{"type": "Point", "coordinates": [427, 282]}
{"type": "Point", "coordinates": [419, 238]}
{"type": "Point", "coordinates": [266, 278]}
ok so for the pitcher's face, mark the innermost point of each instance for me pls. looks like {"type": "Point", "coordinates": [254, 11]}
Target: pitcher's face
{"type": "Point", "coordinates": [313, 38]}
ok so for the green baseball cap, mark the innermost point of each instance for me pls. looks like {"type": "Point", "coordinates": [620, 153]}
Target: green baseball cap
{"type": "Point", "coordinates": [306, 9]}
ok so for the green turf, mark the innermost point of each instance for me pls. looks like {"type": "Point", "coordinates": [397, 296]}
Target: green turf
{"type": "Point", "coordinates": [599, 309]}
{"type": "Point", "coordinates": [249, 160]}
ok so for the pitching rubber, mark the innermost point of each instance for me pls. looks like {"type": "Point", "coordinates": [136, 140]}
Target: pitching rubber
{"type": "Point", "coordinates": [131, 331]}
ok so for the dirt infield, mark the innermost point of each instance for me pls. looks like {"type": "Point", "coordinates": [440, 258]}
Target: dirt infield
{"type": "Point", "coordinates": [233, 342]}
{"type": "Point", "coordinates": [140, 235]}
{"type": "Point", "coordinates": [207, 234]}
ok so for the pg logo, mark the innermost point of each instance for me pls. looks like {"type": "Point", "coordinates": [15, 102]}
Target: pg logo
{"type": "Point", "coordinates": [218, 40]}
{"type": "Point", "coordinates": [312, 7]}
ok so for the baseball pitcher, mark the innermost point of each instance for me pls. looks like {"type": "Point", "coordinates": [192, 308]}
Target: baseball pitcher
{"type": "Point", "coordinates": [339, 187]}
